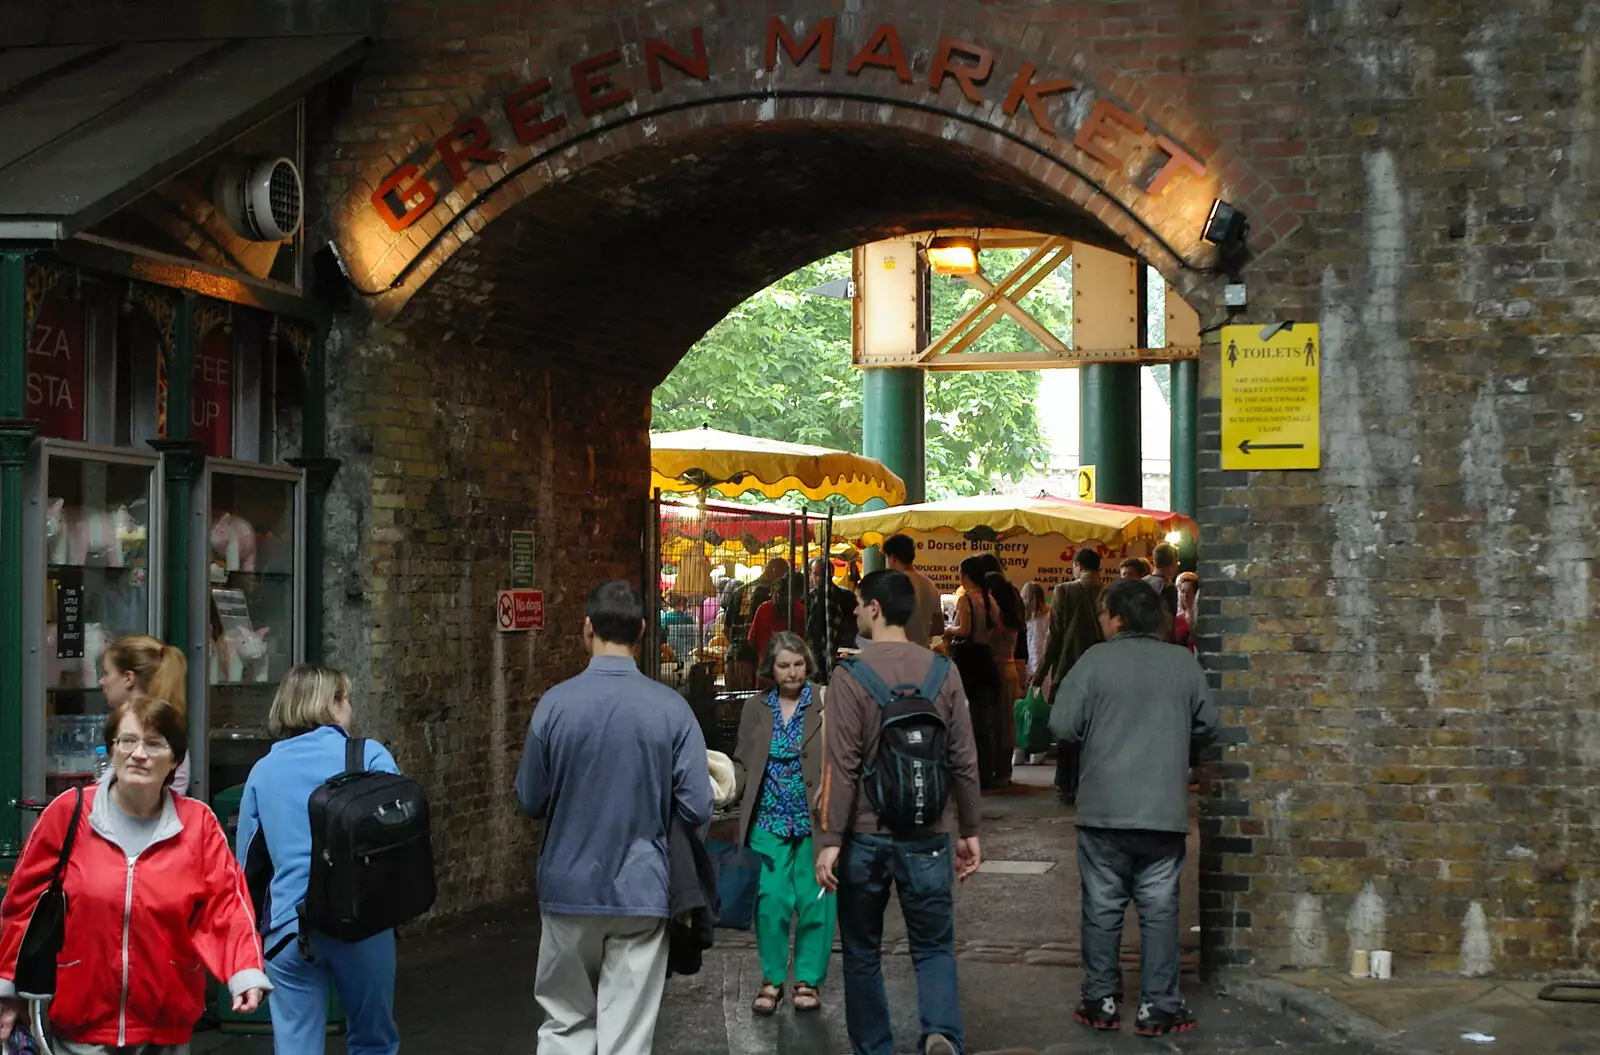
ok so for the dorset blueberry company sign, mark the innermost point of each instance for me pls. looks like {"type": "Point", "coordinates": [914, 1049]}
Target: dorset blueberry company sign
{"type": "Point", "coordinates": [1110, 134]}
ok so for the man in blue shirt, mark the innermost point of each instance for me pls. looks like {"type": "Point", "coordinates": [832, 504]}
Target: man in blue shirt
{"type": "Point", "coordinates": [611, 757]}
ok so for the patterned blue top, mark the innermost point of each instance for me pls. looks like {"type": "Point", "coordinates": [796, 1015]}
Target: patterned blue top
{"type": "Point", "coordinates": [782, 809]}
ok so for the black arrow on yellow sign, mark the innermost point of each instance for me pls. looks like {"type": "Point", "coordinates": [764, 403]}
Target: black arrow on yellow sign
{"type": "Point", "coordinates": [1246, 447]}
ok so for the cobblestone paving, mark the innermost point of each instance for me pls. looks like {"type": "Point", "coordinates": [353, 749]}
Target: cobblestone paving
{"type": "Point", "coordinates": [469, 987]}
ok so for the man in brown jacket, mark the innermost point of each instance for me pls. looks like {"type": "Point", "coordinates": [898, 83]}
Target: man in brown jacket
{"type": "Point", "coordinates": [1074, 629]}
{"type": "Point", "coordinates": [919, 863]}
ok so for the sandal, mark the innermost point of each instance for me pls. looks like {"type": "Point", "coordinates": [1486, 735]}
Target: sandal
{"type": "Point", "coordinates": [806, 998]}
{"type": "Point", "coordinates": [768, 999]}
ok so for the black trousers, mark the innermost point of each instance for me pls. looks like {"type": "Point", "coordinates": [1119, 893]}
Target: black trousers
{"type": "Point", "coordinates": [981, 680]}
{"type": "Point", "coordinates": [1066, 768]}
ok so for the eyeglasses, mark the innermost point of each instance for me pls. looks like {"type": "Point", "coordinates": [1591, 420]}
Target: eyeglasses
{"type": "Point", "coordinates": [153, 745]}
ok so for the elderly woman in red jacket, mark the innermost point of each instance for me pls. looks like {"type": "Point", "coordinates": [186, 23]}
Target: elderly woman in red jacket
{"type": "Point", "coordinates": [155, 900]}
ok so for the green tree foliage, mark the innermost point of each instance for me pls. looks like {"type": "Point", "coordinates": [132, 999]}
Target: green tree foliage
{"type": "Point", "coordinates": [778, 366]}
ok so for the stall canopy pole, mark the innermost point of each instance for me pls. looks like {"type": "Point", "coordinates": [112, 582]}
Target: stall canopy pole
{"type": "Point", "coordinates": [650, 661]}
{"type": "Point", "coordinates": [16, 434]}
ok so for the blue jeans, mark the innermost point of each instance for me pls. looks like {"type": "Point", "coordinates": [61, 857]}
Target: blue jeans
{"type": "Point", "coordinates": [1114, 866]}
{"type": "Point", "coordinates": [923, 871]}
{"type": "Point", "coordinates": [364, 973]}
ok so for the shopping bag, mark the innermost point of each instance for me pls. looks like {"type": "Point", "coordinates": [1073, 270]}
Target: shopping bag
{"type": "Point", "coordinates": [47, 927]}
{"type": "Point", "coordinates": [1032, 714]}
{"type": "Point", "coordinates": [738, 872]}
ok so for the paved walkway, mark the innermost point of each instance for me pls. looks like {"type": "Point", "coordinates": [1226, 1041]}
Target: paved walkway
{"type": "Point", "coordinates": [1430, 1015]}
{"type": "Point", "coordinates": [469, 987]}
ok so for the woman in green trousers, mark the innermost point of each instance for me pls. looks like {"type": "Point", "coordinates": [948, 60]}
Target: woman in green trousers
{"type": "Point", "coordinates": [778, 767]}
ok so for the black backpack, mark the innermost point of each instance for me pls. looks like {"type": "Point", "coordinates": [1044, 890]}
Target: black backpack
{"type": "Point", "coordinates": [909, 782]}
{"type": "Point", "coordinates": [371, 855]}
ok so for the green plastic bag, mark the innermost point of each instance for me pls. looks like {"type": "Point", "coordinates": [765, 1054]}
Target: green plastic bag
{"type": "Point", "coordinates": [1033, 722]}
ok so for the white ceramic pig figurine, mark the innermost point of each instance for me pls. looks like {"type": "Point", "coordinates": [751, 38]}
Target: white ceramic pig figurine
{"type": "Point", "coordinates": [52, 662]}
{"type": "Point", "coordinates": [233, 542]}
{"type": "Point", "coordinates": [95, 534]}
{"type": "Point", "coordinates": [226, 666]}
{"type": "Point", "coordinates": [250, 647]}
{"type": "Point", "coordinates": [55, 531]}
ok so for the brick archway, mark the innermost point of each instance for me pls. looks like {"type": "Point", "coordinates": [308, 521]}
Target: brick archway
{"type": "Point", "coordinates": [1111, 154]}
{"type": "Point", "coordinates": [543, 293]}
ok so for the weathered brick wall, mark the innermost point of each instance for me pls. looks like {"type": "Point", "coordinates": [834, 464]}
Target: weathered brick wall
{"type": "Point", "coordinates": [1408, 637]}
{"type": "Point", "coordinates": [446, 449]}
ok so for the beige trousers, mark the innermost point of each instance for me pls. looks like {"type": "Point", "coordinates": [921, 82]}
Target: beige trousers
{"type": "Point", "coordinates": [599, 983]}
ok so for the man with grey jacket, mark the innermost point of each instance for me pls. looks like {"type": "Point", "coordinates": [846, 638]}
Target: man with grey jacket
{"type": "Point", "coordinates": [1134, 704]}
{"type": "Point", "coordinates": [610, 759]}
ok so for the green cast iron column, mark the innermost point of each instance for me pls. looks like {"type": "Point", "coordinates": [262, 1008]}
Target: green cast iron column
{"type": "Point", "coordinates": [892, 424]}
{"type": "Point", "coordinates": [16, 434]}
{"type": "Point", "coordinates": [181, 463]}
{"type": "Point", "coordinates": [319, 470]}
{"type": "Point", "coordinates": [892, 432]}
{"type": "Point", "coordinates": [1109, 426]}
{"type": "Point", "coordinates": [1185, 433]}
{"type": "Point", "coordinates": [1185, 448]}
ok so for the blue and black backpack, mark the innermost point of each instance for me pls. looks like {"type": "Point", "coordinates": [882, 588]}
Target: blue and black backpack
{"type": "Point", "coordinates": [909, 782]}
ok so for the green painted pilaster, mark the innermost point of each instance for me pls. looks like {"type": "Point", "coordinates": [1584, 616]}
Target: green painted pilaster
{"type": "Point", "coordinates": [1185, 433]}
{"type": "Point", "coordinates": [15, 436]}
{"type": "Point", "coordinates": [319, 479]}
{"type": "Point", "coordinates": [1109, 430]}
{"type": "Point", "coordinates": [892, 431]}
{"type": "Point", "coordinates": [320, 471]}
{"type": "Point", "coordinates": [181, 461]}
{"type": "Point", "coordinates": [1185, 448]}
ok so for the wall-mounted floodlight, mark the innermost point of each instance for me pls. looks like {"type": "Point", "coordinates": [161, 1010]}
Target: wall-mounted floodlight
{"type": "Point", "coordinates": [1175, 537]}
{"type": "Point", "coordinates": [953, 256]}
{"type": "Point", "coordinates": [1226, 227]}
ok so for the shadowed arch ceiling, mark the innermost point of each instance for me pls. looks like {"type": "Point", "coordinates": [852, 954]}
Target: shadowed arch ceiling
{"type": "Point", "coordinates": [626, 265]}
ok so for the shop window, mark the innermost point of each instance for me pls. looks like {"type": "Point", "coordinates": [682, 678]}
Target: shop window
{"type": "Point", "coordinates": [211, 393]}
{"type": "Point", "coordinates": [137, 372]}
{"type": "Point", "coordinates": [58, 355]}
{"type": "Point", "coordinates": [253, 392]}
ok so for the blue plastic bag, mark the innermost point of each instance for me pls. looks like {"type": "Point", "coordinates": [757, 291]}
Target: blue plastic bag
{"type": "Point", "coordinates": [738, 872]}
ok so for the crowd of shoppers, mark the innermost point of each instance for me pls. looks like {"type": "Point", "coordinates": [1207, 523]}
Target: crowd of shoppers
{"type": "Point", "coordinates": [615, 766]}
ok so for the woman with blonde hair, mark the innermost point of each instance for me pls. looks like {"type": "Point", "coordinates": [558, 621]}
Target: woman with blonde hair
{"type": "Point", "coordinates": [152, 902]}
{"type": "Point", "coordinates": [140, 665]}
{"type": "Point", "coordinates": [311, 718]}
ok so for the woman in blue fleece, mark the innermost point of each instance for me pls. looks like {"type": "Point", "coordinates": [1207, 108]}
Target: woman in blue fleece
{"type": "Point", "coordinates": [310, 718]}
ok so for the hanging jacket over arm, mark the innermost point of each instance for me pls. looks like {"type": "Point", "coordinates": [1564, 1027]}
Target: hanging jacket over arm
{"type": "Point", "coordinates": [692, 899]}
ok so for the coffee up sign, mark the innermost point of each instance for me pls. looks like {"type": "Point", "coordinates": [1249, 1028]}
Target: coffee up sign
{"type": "Point", "coordinates": [1110, 134]}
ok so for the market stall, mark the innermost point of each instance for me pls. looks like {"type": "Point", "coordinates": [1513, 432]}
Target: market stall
{"type": "Point", "coordinates": [1034, 537]}
{"type": "Point", "coordinates": [709, 555]}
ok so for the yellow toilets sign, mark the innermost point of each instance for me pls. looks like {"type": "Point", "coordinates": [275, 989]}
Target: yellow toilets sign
{"type": "Point", "coordinates": [1271, 399]}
